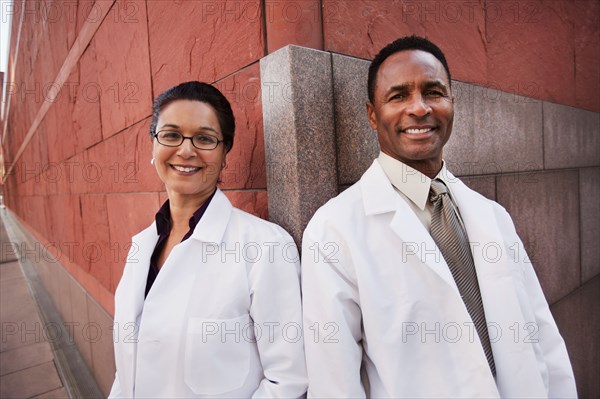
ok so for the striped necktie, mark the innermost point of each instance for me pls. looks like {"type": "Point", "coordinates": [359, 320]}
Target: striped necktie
{"type": "Point", "coordinates": [452, 240]}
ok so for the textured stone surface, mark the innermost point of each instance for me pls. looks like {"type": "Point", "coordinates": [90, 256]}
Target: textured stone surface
{"type": "Point", "coordinates": [96, 247]}
{"type": "Point", "coordinates": [63, 300]}
{"type": "Point", "coordinates": [589, 211]}
{"type": "Point", "coordinates": [85, 114]}
{"type": "Point", "coordinates": [26, 367]}
{"type": "Point", "coordinates": [357, 144]}
{"type": "Point", "coordinates": [80, 319]}
{"type": "Point", "coordinates": [25, 357]}
{"type": "Point", "coordinates": [484, 185]}
{"type": "Point", "coordinates": [362, 28]}
{"type": "Point", "coordinates": [579, 323]}
{"type": "Point", "coordinates": [495, 132]}
{"type": "Point", "coordinates": [571, 137]}
{"type": "Point", "coordinates": [78, 102]}
{"type": "Point", "coordinates": [65, 230]}
{"type": "Point", "coordinates": [128, 214]}
{"type": "Point", "coordinates": [299, 135]}
{"type": "Point", "coordinates": [35, 164]}
{"type": "Point", "coordinates": [85, 9]}
{"type": "Point", "coordinates": [103, 357]}
{"type": "Point", "coordinates": [60, 393]}
{"type": "Point", "coordinates": [25, 316]}
{"type": "Point", "coordinates": [119, 164]}
{"type": "Point", "coordinates": [61, 136]}
{"type": "Point", "coordinates": [29, 382]}
{"type": "Point", "coordinates": [50, 42]}
{"type": "Point", "coordinates": [224, 37]}
{"type": "Point", "coordinates": [293, 22]}
{"type": "Point", "coordinates": [123, 64]}
{"type": "Point", "coordinates": [462, 130]}
{"type": "Point", "coordinates": [544, 207]}
{"type": "Point", "coordinates": [138, 174]}
{"type": "Point", "coordinates": [254, 202]}
{"type": "Point", "coordinates": [246, 160]}
{"type": "Point", "coordinates": [587, 53]}
{"type": "Point", "coordinates": [9, 251]}
{"type": "Point", "coordinates": [521, 59]}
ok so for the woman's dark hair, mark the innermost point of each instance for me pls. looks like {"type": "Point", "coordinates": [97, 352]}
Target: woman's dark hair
{"type": "Point", "coordinates": [203, 92]}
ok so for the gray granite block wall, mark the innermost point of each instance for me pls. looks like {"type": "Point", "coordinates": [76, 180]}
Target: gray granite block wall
{"type": "Point", "coordinates": [300, 150]}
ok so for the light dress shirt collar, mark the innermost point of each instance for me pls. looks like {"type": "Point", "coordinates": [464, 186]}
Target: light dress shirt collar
{"type": "Point", "coordinates": [409, 181]}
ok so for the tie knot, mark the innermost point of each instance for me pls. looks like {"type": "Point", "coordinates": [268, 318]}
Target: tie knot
{"type": "Point", "coordinates": [437, 188]}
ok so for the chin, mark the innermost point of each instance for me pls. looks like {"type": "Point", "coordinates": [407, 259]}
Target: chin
{"type": "Point", "coordinates": [189, 191]}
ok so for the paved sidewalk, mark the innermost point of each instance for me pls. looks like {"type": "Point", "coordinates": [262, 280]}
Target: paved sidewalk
{"type": "Point", "coordinates": [27, 368]}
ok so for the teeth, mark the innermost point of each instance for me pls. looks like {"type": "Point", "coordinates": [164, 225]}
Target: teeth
{"type": "Point", "coordinates": [184, 169]}
{"type": "Point", "coordinates": [417, 131]}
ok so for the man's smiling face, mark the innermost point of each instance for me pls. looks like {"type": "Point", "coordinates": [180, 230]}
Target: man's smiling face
{"type": "Point", "coordinates": [413, 109]}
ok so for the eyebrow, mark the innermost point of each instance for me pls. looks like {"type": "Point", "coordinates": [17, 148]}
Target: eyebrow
{"type": "Point", "coordinates": [402, 87]}
{"type": "Point", "coordinates": [407, 86]}
{"type": "Point", "coordinates": [173, 126]}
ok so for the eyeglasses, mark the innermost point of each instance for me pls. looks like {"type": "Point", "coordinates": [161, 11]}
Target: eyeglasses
{"type": "Point", "coordinates": [172, 138]}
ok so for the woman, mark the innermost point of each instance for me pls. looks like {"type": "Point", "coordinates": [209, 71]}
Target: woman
{"type": "Point", "coordinates": [209, 301]}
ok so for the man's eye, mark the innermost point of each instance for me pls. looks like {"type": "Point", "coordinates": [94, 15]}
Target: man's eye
{"type": "Point", "coordinates": [398, 96]}
{"type": "Point", "coordinates": [434, 93]}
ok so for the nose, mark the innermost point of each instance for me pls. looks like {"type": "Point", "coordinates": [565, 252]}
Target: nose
{"type": "Point", "coordinates": [418, 106]}
{"type": "Point", "coordinates": [186, 149]}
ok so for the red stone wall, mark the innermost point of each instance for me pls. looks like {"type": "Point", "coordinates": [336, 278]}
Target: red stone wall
{"type": "Point", "coordinates": [546, 49]}
{"type": "Point", "coordinates": [84, 184]}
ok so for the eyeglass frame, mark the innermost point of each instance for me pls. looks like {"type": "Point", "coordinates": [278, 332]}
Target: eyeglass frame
{"type": "Point", "coordinates": [183, 138]}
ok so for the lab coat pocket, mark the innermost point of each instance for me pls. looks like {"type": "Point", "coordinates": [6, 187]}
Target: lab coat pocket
{"type": "Point", "coordinates": [217, 356]}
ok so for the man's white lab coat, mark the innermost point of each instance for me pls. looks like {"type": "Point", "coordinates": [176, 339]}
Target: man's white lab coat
{"type": "Point", "coordinates": [379, 300]}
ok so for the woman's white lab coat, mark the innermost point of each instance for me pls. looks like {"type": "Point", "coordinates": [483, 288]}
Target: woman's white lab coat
{"type": "Point", "coordinates": [223, 317]}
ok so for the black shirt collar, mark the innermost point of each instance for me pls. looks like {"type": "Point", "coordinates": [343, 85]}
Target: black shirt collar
{"type": "Point", "coordinates": [163, 217]}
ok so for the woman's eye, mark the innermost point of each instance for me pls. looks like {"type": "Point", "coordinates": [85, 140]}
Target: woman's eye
{"type": "Point", "coordinates": [204, 139]}
{"type": "Point", "coordinates": [170, 135]}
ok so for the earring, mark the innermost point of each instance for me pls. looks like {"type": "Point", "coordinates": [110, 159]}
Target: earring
{"type": "Point", "coordinates": [152, 161]}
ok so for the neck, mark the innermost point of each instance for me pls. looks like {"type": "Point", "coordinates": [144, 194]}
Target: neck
{"type": "Point", "coordinates": [182, 207]}
{"type": "Point", "coordinates": [428, 168]}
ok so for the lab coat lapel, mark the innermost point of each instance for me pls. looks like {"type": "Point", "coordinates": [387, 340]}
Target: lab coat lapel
{"type": "Point", "coordinates": [139, 258]}
{"type": "Point", "coordinates": [515, 359]}
{"type": "Point", "coordinates": [209, 232]}
{"type": "Point", "coordinates": [212, 225]}
{"type": "Point", "coordinates": [379, 197]}
{"type": "Point", "coordinates": [131, 302]}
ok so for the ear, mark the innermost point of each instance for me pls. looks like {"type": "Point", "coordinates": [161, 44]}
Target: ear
{"type": "Point", "coordinates": [371, 115]}
{"type": "Point", "coordinates": [154, 144]}
{"type": "Point", "coordinates": [224, 161]}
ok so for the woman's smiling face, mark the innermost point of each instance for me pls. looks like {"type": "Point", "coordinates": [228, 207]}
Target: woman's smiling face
{"type": "Point", "coordinates": [186, 170]}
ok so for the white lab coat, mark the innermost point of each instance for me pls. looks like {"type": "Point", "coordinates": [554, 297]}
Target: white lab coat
{"type": "Point", "coordinates": [381, 304]}
{"type": "Point", "coordinates": [223, 318]}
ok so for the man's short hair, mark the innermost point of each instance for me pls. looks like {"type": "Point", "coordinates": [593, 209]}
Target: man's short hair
{"type": "Point", "coordinates": [403, 44]}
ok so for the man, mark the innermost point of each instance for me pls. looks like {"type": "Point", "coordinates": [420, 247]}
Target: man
{"type": "Point", "coordinates": [402, 296]}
